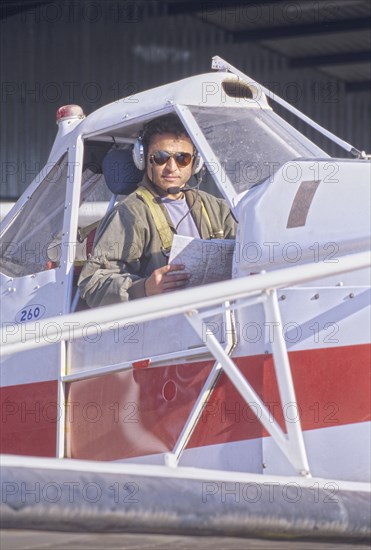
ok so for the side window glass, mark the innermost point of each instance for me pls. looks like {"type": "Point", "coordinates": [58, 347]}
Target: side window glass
{"type": "Point", "coordinates": [28, 244]}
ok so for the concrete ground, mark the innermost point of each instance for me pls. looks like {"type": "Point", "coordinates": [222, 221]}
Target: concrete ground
{"type": "Point", "coordinates": [39, 540]}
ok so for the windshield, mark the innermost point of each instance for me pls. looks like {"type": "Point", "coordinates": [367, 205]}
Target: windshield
{"type": "Point", "coordinates": [27, 242]}
{"type": "Point", "coordinates": [251, 144]}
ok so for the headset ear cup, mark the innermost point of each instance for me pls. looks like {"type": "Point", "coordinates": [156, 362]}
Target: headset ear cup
{"type": "Point", "coordinates": [198, 164]}
{"type": "Point", "coordinates": [139, 156]}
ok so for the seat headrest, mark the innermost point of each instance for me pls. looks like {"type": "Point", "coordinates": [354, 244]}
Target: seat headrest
{"type": "Point", "coordinates": [120, 172]}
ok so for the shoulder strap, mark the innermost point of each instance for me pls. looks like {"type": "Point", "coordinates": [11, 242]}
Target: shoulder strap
{"type": "Point", "coordinates": [164, 231]}
{"type": "Point", "coordinates": [207, 218]}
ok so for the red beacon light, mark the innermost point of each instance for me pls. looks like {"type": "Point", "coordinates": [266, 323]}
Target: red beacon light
{"type": "Point", "coordinates": [69, 112]}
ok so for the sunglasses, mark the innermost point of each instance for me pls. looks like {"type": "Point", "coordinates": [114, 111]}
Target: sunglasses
{"type": "Point", "coordinates": [162, 157]}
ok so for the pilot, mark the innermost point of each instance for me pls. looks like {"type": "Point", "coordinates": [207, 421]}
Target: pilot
{"type": "Point", "coordinates": [129, 259]}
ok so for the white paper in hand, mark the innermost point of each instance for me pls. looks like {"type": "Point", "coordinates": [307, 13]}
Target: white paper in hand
{"type": "Point", "coordinates": [207, 261]}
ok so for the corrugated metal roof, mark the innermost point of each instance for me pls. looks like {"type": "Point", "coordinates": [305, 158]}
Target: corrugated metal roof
{"type": "Point", "coordinates": [341, 43]}
{"type": "Point", "coordinates": [242, 15]}
{"type": "Point", "coordinates": [298, 30]}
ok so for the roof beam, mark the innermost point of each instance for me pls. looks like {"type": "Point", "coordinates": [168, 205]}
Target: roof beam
{"type": "Point", "coordinates": [330, 59]}
{"type": "Point", "coordinates": [360, 86]}
{"type": "Point", "coordinates": [307, 29]}
{"type": "Point", "coordinates": [8, 9]}
{"type": "Point", "coordinates": [211, 6]}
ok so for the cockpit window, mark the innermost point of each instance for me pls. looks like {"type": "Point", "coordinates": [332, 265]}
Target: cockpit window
{"type": "Point", "coordinates": [251, 144]}
{"type": "Point", "coordinates": [28, 242]}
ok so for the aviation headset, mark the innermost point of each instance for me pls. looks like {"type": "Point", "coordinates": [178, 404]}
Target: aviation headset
{"type": "Point", "coordinates": [139, 156]}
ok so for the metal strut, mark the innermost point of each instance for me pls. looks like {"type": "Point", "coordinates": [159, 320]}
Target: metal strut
{"type": "Point", "coordinates": [172, 458]}
{"type": "Point", "coordinates": [292, 443]}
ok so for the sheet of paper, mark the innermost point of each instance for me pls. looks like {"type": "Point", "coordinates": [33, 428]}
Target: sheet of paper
{"type": "Point", "coordinates": [208, 261]}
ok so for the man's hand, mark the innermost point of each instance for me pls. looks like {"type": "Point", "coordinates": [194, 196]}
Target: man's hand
{"type": "Point", "coordinates": [166, 279]}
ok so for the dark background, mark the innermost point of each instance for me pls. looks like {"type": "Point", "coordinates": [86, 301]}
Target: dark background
{"type": "Point", "coordinates": [315, 54]}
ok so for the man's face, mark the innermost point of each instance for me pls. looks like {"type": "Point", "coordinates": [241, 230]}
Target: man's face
{"type": "Point", "coordinates": [169, 174]}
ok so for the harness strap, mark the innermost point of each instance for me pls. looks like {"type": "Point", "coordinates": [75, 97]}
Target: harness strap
{"type": "Point", "coordinates": [84, 232]}
{"type": "Point", "coordinates": [207, 218]}
{"type": "Point", "coordinates": [164, 231]}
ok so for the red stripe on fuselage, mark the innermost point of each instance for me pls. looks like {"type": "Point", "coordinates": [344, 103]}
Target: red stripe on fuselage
{"type": "Point", "coordinates": [137, 413]}
{"type": "Point", "coordinates": [142, 412]}
{"type": "Point", "coordinates": [29, 419]}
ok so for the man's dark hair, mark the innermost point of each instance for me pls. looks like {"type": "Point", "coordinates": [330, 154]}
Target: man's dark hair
{"type": "Point", "coordinates": [167, 124]}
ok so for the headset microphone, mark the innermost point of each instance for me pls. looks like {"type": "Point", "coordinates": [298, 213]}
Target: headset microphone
{"type": "Point", "coordinates": [176, 190]}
